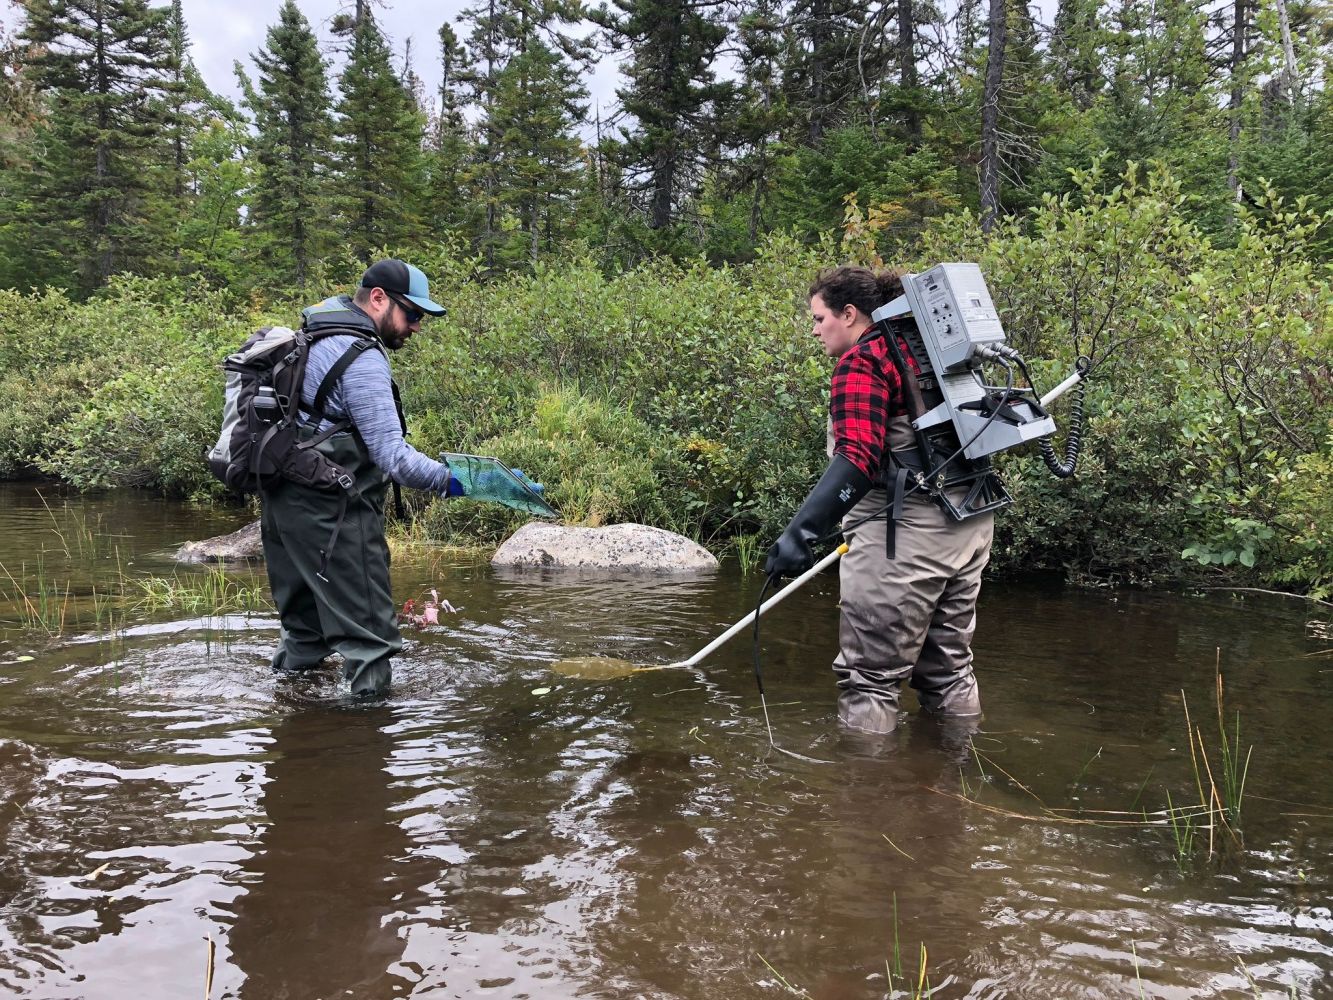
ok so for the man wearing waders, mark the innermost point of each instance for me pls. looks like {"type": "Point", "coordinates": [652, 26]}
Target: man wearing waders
{"type": "Point", "coordinates": [327, 557]}
{"type": "Point", "coordinates": [910, 579]}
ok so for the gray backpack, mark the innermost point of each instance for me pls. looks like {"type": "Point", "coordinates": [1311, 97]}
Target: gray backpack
{"type": "Point", "coordinates": [260, 442]}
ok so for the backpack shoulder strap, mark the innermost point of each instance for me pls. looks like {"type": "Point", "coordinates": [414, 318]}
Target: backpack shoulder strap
{"type": "Point", "coordinates": [340, 367]}
{"type": "Point", "coordinates": [364, 340]}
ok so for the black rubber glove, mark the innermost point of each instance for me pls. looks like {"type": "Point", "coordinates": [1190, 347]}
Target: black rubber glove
{"type": "Point", "coordinates": [837, 492]}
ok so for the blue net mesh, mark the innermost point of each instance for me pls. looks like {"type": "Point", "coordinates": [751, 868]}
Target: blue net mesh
{"type": "Point", "coordinates": [490, 480]}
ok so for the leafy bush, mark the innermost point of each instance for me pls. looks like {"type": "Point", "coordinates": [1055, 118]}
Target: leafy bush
{"type": "Point", "coordinates": [1210, 383]}
{"type": "Point", "coordinates": [694, 397]}
{"type": "Point", "coordinates": [148, 428]}
{"type": "Point", "coordinates": [599, 465]}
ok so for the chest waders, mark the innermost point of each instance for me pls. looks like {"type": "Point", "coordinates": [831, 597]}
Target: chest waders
{"type": "Point", "coordinates": [908, 584]}
{"type": "Point", "coordinates": [328, 566]}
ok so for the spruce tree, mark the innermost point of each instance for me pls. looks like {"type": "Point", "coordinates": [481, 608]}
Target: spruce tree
{"type": "Point", "coordinates": [836, 46]}
{"type": "Point", "coordinates": [20, 113]}
{"type": "Point", "coordinates": [752, 126]}
{"type": "Point", "coordinates": [380, 180]}
{"type": "Point", "coordinates": [524, 81]}
{"type": "Point", "coordinates": [1162, 101]}
{"type": "Point", "coordinates": [450, 201]}
{"type": "Point", "coordinates": [1076, 43]}
{"type": "Point", "coordinates": [20, 105]}
{"type": "Point", "coordinates": [537, 152]}
{"type": "Point", "coordinates": [187, 110]}
{"type": "Point", "coordinates": [212, 238]}
{"type": "Point", "coordinates": [186, 96]}
{"type": "Point", "coordinates": [292, 148]}
{"type": "Point", "coordinates": [102, 67]}
{"type": "Point", "coordinates": [671, 92]}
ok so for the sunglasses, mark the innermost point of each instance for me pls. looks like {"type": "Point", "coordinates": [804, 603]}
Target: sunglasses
{"type": "Point", "coordinates": [411, 312]}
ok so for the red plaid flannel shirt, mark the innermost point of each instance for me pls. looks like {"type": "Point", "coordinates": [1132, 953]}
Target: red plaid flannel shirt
{"type": "Point", "coordinates": [867, 391]}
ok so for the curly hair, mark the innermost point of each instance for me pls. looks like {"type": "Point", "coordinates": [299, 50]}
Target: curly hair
{"type": "Point", "coordinates": [846, 285]}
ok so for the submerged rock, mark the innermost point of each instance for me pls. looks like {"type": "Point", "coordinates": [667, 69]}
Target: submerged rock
{"type": "Point", "coordinates": [240, 546]}
{"type": "Point", "coordinates": [617, 547]}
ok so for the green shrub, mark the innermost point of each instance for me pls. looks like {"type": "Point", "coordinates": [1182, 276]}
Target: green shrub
{"type": "Point", "coordinates": [694, 397]}
{"type": "Point", "coordinates": [35, 411]}
{"type": "Point", "coordinates": [147, 428]}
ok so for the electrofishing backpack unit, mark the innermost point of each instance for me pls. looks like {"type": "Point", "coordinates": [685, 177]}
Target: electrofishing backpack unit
{"type": "Point", "coordinates": [261, 439]}
{"type": "Point", "coordinates": [949, 322]}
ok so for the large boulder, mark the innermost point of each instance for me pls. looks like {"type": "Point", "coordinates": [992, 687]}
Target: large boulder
{"type": "Point", "coordinates": [615, 548]}
{"type": "Point", "coordinates": [240, 546]}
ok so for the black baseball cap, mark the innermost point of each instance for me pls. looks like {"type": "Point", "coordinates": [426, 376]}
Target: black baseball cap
{"type": "Point", "coordinates": [403, 279]}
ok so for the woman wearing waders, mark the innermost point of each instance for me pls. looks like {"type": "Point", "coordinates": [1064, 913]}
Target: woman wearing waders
{"type": "Point", "coordinates": [910, 579]}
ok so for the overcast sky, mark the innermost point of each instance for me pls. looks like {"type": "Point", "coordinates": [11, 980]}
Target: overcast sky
{"type": "Point", "coordinates": [221, 33]}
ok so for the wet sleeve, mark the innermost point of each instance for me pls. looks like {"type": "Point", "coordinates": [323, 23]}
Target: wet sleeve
{"type": "Point", "coordinates": [367, 394]}
{"type": "Point", "coordinates": [859, 409]}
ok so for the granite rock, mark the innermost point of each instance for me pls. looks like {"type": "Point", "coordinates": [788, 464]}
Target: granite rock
{"type": "Point", "coordinates": [240, 546]}
{"type": "Point", "coordinates": [637, 548]}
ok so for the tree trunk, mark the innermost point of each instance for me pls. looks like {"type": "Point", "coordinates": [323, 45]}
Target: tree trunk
{"type": "Point", "coordinates": [818, 55]}
{"type": "Point", "coordinates": [1238, 36]}
{"type": "Point", "coordinates": [664, 178]}
{"type": "Point", "coordinates": [664, 156]}
{"type": "Point", "coordinates": [299, 252]}
{"type": "Point", "coordinates": [1288, 52]}
{"type": "Point", "coordinates": [757, 193]}
{"type": "Point", "coordinates": [907, 78]}
{"type": "Point", "coordinates": [492, 140]}
{"type": "Point", "coordinates": [105, 259]}
{"type": "Point", "coordinates": [990, 115]}
{"type": "Point", "coordinates": [535, 222]}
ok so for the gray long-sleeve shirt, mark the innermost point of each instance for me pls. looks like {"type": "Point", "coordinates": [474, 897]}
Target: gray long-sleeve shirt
{"type": "Point", "coordinates": [365, 394]}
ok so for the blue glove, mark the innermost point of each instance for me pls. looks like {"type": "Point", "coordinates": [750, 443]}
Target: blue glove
{"type": "Point", "coordinates": [537, 488]}
{"type": "Point", "coordinates": [454, 488]}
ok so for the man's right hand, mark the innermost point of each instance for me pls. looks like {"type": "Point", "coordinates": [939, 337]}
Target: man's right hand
{"type": "Point", "coordinates": [454, 488]}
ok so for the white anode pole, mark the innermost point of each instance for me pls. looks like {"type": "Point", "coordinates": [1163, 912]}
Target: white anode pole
{"type": "Point", "coordinates": [1061, 389]}
{"type": "Point", "coordinates": [805, 577]}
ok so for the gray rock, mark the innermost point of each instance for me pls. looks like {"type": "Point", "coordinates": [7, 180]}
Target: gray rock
{"type": "Point", "coordinates": [239, 546]}
{"type": "Point", "coordinates": [636, 548]}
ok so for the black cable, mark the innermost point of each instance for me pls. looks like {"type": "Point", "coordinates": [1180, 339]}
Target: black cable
{"type": "Point", "coordinates": [763, 592]}
{"type": "Point", "coordinates": [1074, 442]}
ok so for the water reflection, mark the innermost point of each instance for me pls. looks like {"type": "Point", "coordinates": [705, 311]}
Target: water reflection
{"type": "Point", "coordinates": [637, 837]}
{"type": "Point", "coordinates": [331, 873]}
{"type": "Point", "coordinates": [807, 887]}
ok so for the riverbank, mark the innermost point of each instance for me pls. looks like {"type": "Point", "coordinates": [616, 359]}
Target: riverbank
{"type": "Point", "coordinates": [692, 398]}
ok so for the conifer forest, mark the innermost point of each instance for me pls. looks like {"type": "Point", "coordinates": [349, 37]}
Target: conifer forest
{"type": "Point", "coordinates": [731, 121]}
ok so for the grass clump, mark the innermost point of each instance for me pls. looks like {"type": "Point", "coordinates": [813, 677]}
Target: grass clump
{"type": "Point", "coordinates": [39, 602]}
{"type": "Point", "coordinates": [211, 593]}
{"type": "Point", "coordinates": [42, 604]}
{"type": "Point", "coordinates": [1219, 782]}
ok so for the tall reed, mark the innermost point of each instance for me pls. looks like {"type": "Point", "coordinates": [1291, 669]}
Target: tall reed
{"type": "Point", "coordinates": [893, 967]}
{"type": "Point", "coordinates": [40, 603]}
{"type": "Point", "coordinates": [1219, 780]}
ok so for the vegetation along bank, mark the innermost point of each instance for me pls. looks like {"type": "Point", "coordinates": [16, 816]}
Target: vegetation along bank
{"type": "Point", "coordinates": [690, 396]}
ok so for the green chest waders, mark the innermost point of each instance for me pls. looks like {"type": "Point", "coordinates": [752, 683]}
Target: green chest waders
{"type": "Point", "coordinates": [328, 567]}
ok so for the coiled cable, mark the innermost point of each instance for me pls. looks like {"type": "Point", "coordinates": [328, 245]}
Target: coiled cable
{"type": "Point", "coordinates": [1074, 442]}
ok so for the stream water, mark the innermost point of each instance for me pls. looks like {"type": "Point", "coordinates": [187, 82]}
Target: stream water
{"type": "Point", "coordinates": [168, 806]}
